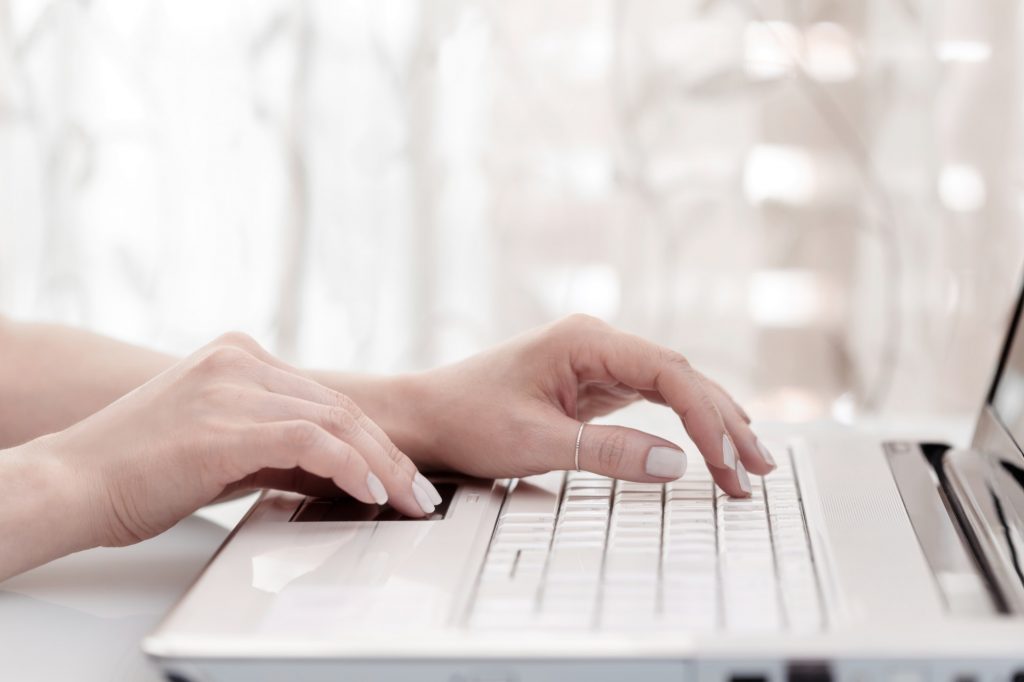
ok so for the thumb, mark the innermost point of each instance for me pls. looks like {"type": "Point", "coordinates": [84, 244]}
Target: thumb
{"type": "Point", "coordinates": [629, 454]}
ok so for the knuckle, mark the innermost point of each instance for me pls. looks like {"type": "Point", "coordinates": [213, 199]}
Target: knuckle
{"type": "Point", "coordinates": [302, 435]}
{"type": "Point", "coordinates": [612, 451]}
{"type": "Point", "coordinates": [348, 459]}
{"type": "Point", "coordinates": [343, 402]}
{"type": "Point", "coordinates": [572, 329]}
{"type": "Point", "coordinates": [680, 368]}
{"type": "Point", "coordinates": [674, 357]}
{"type": "Point", "coordinates": [404, 465]}
{"type": "Point", "coordinates": [708, 404]}
{"type": "Point", "coordinates": [223, 358]}
{"type": "Point", "coordinates": [396, 471]}
{"type": "Point", "coordinates": [342, 421]}
{"type": "Point", "coordinates": [237, 339]}
{"type": "Point", "coordinates": [396, 456]}
{"type": "Point", "coordinates": [582, 321]}
{"type": "Point", "coordinates": [217, 393]}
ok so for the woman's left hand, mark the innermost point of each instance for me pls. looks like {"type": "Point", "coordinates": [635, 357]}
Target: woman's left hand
{"type": "Point", "coordinates": [516, 410]}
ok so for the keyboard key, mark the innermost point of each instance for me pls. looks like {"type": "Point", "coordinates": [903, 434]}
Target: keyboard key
{"type": "Point", "coordinates": [638, 487]}
{"type": "Point", "coordinates": [582, 523]}
{"type": "Point", "coordinates": [557, 619]}
{"type": "Point", "coordinates": [636, 524]}
{"type": "Point", "coordinates": [516, 592]}
{"type": "Point", "coordinates": [578, 550]}
{"type": "Point", "coordinates": [576, 561]}
{"type": "Point", "coordinates": [627, 497]}
{"type": "Point", "coordinates": [631, 564]}
{"type": "Point", "coordinates": [587, 504]}
{"type": "Point", "coordinates": [532, 542]}
{"type": "Point", "coordinates": [535, 497]}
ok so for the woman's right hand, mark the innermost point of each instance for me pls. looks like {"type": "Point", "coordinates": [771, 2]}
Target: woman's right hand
{"type": "Point", "coordinates": [229, 417]}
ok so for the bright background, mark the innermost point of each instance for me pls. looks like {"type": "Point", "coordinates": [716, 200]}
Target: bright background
{"type": "Point", "coordinates": [818, 202]}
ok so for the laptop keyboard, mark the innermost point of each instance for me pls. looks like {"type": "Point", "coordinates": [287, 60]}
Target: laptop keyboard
{"type": "Point", "coordinates": [580, 551]}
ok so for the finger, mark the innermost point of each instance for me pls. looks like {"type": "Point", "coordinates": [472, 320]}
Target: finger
{"type": "Point", "coordinates": [290, 480]}
{"type": "Point", "coordinates": [288, 381]}
{"type": "Point", "coordinates": [597, 400]}
{"type": "Point", "coordinates": [303, 444]}
{"type": "Point", "coordinates": [632, 455]}
{"type": "Point", "coordinates": [252, 347]}
{"type": "Point", "coordinates": [608, 354]}
{"type": "Point", "coordinates": [280, 381]}
{"type": "Point", "coordinates": [717, 389]}
{"type": "Point", "coordinates": [397, 480]}
{"type": "Point", "coordinates": [752, 452]}
{"type": "Point", "coordinates": [620, 452]}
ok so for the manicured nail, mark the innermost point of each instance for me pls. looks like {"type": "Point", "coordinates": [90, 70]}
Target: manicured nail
{"type": "Point", "coordinates": [765, 454]}
{"type": "Point", "coordinates": [741, 474]}
{"type": "Point", "coordinates": [380, 495]}
{"type": "Point", "coordinates": [423, 499]}
{"type": "Point", "coordinates": [728, 451]}
{"type": "Point", "coordinates": [428, 487]}
{"type": "Point", "coordinates": [665, 462]}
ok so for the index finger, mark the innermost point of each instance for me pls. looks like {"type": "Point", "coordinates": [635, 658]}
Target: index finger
{"type": "Point", "coordinates": [611, 355]}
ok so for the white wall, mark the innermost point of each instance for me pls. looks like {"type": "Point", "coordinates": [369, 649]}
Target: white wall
{"type": "Point", "coordinates": [818, 202]}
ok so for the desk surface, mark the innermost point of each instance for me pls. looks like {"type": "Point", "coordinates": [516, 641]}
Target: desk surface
{"type": "Point", "coordinates": [82, 617]}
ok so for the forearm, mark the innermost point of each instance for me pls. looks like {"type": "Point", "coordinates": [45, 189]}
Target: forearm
{"type": "Point", "coordinates": [44, 511]}
{"type": "Point", "coordinates": [53, 376]}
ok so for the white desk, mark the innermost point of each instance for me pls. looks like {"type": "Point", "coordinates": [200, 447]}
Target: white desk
{"type": "Point", "coordinates": [82, 617]}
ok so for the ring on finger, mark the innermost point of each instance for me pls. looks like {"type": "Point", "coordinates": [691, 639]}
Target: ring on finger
{"type": "Point", "coordinates": [579, 438]}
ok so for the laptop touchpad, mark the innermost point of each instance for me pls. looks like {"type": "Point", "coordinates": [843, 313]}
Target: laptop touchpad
{"type": "Point", "coordinates": [350, 509]}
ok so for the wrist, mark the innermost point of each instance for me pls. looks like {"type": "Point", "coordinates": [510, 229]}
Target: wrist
{"type": "Point", "coordinates": [415, 419]}
{"type": "Point", "coordinates": [44, 514]}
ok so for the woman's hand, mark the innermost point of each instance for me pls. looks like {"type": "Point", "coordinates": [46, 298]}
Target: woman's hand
{"type": "Point", "coordinates": [229, 417]}
{"type": "Point", "coordinates": [516, 410]}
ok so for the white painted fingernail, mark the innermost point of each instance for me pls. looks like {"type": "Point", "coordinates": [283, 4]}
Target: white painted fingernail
{"type": "Point", "coordinates": [380, 495]}
{"type": "Point", "coordinates": [765, 454]}
{"type": "Point", "coordinates": [665, 462]}
{"type": "Point", "coordinates": [728, 451]}
{"type": "Point", "coordinates": [428, 487]}
{"type": "Point", "coordinates": [423, 499]}
{"type": "Point", "coordinates": [741, 474]}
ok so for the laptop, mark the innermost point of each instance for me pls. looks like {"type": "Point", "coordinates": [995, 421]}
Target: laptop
{"type": "Point", "coordinates": [857, 559]}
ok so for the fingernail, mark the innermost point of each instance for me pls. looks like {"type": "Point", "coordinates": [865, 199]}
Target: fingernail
{"type": "Point", "coordinates": [380, 495]}
{"type": "Point", "coordinates": [765, 454]}
{"type": "Point", "coordinates": [741, 474]}
{"type": "Point", "coordinates": [728, 451]}
{"type": "Point", "coordinates": [428, 487]}
{"type": "Point", "coordinates": [423, 499]}
{"type": "Point", "coordinates": [665, 462]}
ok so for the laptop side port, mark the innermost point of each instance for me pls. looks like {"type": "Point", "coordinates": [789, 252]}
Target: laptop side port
{"type": "Point", "coordinates": [808, 671]}
{"type": "Point", "coordinates": [748, 677]}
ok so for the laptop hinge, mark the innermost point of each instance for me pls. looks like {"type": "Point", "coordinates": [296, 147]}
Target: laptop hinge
{"type": "Point", "coordinates": [975, 501]}
{"type": "Point", "coordinates": [960, 573]}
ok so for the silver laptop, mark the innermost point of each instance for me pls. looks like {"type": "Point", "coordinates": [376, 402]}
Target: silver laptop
{"type": "Point", "coordinates": [856, 560]}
